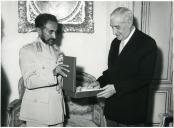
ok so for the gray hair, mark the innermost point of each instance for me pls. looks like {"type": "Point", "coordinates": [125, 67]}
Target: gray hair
{"type": "Point", "coordinates": [125, 12]}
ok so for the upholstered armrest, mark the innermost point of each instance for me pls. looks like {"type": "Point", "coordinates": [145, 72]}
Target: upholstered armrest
{"type": "Point", "coordinates": [13, 111]}
{"type": "Point", "coordinates": [13, 104]}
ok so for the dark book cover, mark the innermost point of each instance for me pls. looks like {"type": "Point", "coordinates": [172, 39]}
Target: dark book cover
{"type": "Point", "coordinates": [69, 82]}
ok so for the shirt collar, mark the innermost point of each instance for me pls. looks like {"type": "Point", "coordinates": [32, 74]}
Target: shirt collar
{"type": "Point", "coordinates": [130, 35]}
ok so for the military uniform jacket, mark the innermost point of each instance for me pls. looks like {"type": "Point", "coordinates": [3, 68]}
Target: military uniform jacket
{"type": "Point", "coordinates": [43, 100]}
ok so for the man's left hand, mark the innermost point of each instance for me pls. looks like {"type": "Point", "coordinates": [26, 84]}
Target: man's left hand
{"type": "Point", "coordinates": [108, 91]}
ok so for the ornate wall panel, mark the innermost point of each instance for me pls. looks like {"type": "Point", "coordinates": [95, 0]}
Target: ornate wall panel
{"type": "Point", "coordinates": [156, 19]}
{"type": "Point", "coordinates": [160, 102]}
{"type": "Point", "coordinates": [161, 29]}
{"type": "Point", "coordinates": [76, 16]}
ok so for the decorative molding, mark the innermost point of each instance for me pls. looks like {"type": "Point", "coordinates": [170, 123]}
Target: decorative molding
{"type": "Point", "coordinates": [145, 27]}
{"type": "Point", "coordinates": [167, 94]}
{"type": "Point", "coordinates": [80, 19]}
{"type": "Point", "coordinates": [162, 84]}
{"type": "Point", "coordinates": [168, 79]}
{"type": "Point", "coordinates": [145, 16]}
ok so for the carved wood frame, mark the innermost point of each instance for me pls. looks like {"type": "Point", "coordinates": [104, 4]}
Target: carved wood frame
{"type": "Point", "coordinates": [86, 27]}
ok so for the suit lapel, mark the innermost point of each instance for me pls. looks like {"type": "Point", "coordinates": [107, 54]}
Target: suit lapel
{"type": "Point", "coordinates": [115, 50]}
{"type": "Point", "coordinates": [117, 47]}
{"type": "Point", "coordinates": [113, 54]}
{"type": "Point", "coordinates": [129, 44]}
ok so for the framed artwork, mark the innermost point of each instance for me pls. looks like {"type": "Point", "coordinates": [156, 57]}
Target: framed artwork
{"type": "Point", "coordinates": [75, 16]}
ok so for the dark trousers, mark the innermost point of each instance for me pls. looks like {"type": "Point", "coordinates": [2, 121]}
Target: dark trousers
{"type": "Point", "coordinates": [111, 123]}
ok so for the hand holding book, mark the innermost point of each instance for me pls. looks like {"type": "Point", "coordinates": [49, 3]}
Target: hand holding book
{"type": "Point", "coordinates": [60, 70]}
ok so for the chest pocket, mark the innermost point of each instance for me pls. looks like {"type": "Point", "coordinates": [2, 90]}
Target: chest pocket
{"type": "Point", "coordinates": [46, 61]}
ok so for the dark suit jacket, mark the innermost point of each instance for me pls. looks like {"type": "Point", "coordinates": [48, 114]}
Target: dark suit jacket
{"type": "Point", "coordinates": [131, 72]}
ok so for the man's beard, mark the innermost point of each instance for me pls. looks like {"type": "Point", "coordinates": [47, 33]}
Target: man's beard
{"type": "Point", "coordinates": [50, 41]}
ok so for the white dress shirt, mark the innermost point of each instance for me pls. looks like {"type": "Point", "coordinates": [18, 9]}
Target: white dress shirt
{"type": "Point", "coordinates": [124, 42]}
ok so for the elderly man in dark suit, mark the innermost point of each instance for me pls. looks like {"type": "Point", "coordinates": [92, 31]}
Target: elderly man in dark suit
{"type": "Point", "coordinates": [131, 63]}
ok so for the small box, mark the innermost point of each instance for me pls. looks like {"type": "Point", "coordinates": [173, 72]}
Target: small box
{"type": "Point", "coordinates": [70, 83]}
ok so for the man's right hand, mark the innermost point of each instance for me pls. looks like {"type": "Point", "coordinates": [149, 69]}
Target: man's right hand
{"type": "Point", "coordinates": [60, 70]}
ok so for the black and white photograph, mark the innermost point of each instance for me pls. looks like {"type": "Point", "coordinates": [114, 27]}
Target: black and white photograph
{"type": "Point", "coordinates": [86, 63]}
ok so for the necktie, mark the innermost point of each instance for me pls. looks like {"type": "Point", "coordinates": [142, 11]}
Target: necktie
{"type": "Point", "coordinates": [121, 46]}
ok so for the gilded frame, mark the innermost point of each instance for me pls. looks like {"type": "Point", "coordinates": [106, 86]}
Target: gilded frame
{"type": "Point", "coordinates": [87, 26]}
